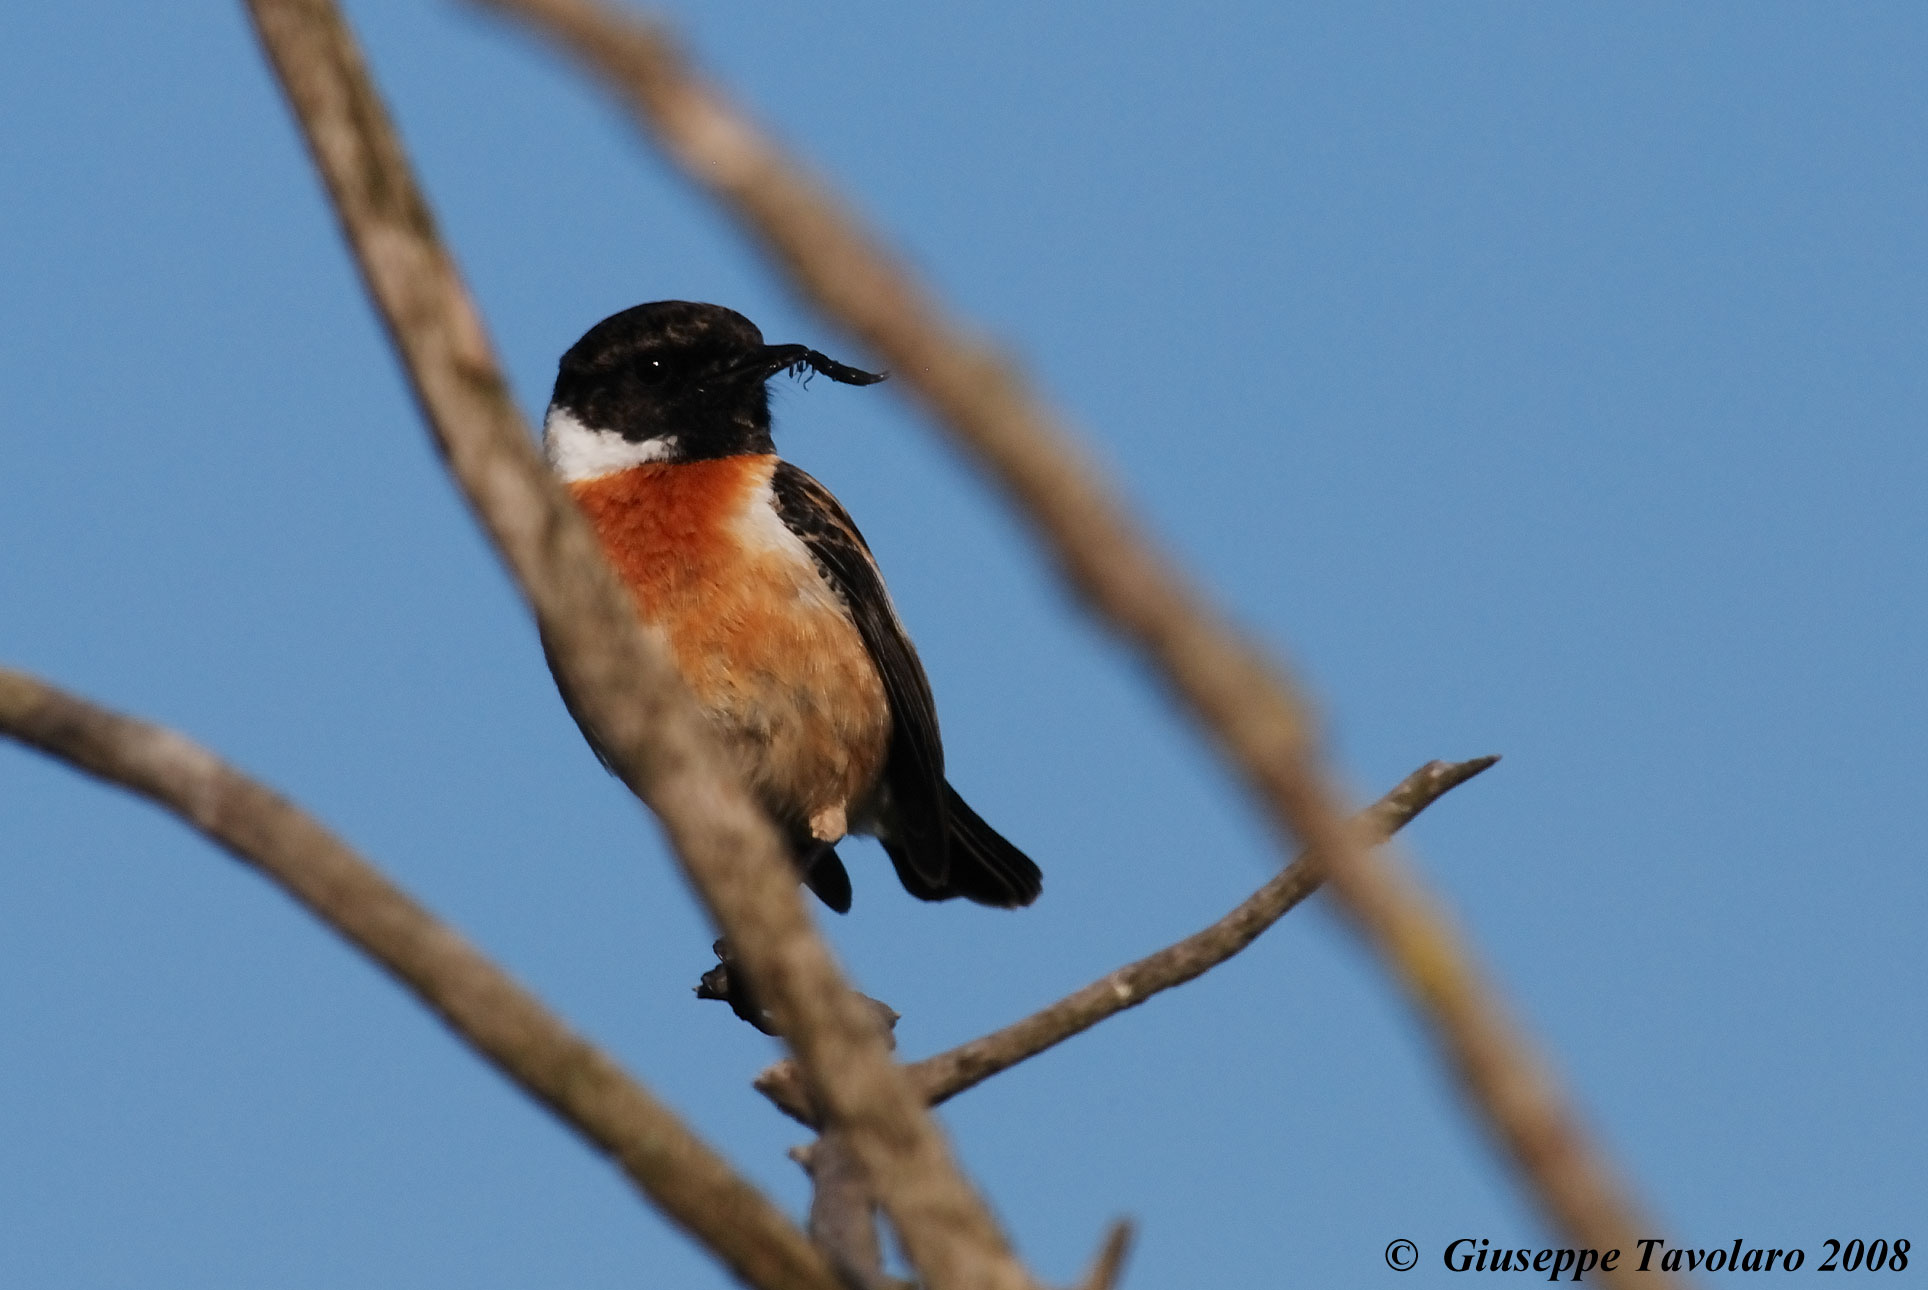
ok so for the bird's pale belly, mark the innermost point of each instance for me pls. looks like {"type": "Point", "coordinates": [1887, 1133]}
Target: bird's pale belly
{"type": "Point", "coordinates": [758, 634]}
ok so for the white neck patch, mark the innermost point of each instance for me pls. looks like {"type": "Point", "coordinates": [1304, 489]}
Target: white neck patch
{"type": "Point", "coordinates": [577, 452]}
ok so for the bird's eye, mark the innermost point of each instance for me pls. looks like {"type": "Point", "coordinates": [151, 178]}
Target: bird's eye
{"type": "Point", "coordinates": [651, 371]}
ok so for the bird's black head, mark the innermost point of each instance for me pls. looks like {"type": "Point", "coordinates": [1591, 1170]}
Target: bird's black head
{"type": "Point", "coordinates": [670, 381]}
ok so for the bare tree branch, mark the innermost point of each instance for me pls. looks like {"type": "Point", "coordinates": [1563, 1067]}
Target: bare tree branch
{"type": "Point", "coordinates": [506, 1025]}
{"type": "Point", "coordinates": [1237, 695]}
{"type": "Point", "coordinates": [945, 1075]}
{"type": "Point", "coordinates": [643, 716]}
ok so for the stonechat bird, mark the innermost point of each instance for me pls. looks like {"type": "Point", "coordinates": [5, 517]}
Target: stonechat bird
{"type": "Point", "coordinates": [768, 597]}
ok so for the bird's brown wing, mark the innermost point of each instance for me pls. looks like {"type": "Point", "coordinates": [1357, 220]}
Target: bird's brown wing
{"type": "Point", "coordinates": [914, 764]}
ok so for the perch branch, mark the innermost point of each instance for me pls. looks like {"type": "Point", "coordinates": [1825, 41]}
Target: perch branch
{"type": "Point", "coordinates": [643, 716]}
{"type": "Point", "coordinates": [500, 1020]}
{"type": "Point", "coordinates": [945, 1075]}
{"type": "Point", "coordinates": [1239, 697]}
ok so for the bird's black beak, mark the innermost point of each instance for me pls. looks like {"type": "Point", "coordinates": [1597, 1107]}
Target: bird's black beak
{"type": "Point", "coordinates": [765, 363]}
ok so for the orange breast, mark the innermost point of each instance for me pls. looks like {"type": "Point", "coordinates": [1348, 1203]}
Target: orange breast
{"type": "Point", "coordinates": [756, 631]}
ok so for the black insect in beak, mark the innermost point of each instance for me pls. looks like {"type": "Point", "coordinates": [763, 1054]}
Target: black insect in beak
{"type": "Point", "coordinates": [801, 361]}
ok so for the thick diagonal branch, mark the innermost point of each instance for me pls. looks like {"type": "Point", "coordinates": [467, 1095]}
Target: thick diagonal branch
{"type": "Point", "coordinates": [504, 1023]}
{"type": "Point", "coordinates": [643, 716]}
{"type": "Point", "coordinates": [1239, 697]}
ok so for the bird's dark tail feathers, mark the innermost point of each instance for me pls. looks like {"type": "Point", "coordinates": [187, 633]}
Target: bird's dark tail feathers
{"type": "Point", "coordinates": [825, 875]}
{"type": "Point", "coordinates": [984, 867]}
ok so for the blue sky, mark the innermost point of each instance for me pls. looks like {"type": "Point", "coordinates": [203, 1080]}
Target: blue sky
{"type": "Point", "coordinates": [1543, 380]}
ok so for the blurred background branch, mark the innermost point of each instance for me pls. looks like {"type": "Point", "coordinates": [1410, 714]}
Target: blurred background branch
{"type": "Point", "coordinates": [505, 1025]}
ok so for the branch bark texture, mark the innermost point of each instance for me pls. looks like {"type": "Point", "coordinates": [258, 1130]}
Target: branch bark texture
{"type": "Point", "coordinates": [1245, 704]}
{"type": "Point", "coordinates": [504, 1023]}
{"type": "Point", "coordinates": [643, 715]}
